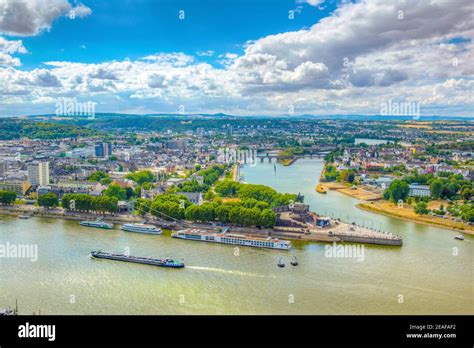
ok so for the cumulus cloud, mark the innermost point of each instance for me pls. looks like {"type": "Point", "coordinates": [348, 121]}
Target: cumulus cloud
{"type": "Point", "coordinates": [359, 30]}
{"type": "Point", "coordinates": [208, 53]}
{"type": "Point", "coordinates": [311, 2]}
{"type": "Point", "coordinates": [7, 48]}
{"type": "Point", "coordinates": [30, 17]}
{"type": "Point", "coordinates": [364, 54]}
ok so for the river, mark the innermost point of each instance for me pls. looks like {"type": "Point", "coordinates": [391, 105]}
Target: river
{"type": "Point", "coordinates": [430, 274]}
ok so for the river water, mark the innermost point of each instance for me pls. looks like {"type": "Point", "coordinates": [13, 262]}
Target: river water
{"type": "Point", "coordinates": [430, 274]}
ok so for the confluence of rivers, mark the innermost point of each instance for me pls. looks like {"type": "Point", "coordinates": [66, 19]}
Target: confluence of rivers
{"type": "Point", "coordinates": [430, 274]}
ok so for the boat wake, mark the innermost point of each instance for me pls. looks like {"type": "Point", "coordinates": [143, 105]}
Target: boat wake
{"type": "Point", "coordinates": [228, 271]}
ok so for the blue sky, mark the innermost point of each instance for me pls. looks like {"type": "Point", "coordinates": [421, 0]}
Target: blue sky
{"type": "Point", "coordinates": [133, 29]}
{"type": "Point", "coordinates": [242, 57]}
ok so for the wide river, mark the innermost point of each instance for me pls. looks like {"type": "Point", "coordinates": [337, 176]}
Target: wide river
{"type": "Point", "coordinates": [431, 274]}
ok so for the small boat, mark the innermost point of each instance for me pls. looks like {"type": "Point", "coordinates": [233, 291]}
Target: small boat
{"type": "Point", "coordinates": [9, 310]}
{"type": "Point", "coordinates": [141, 228]}
{"type": "Point", "coordinates": [294, 262]}
{"type": "Point", "coordinates": [459, 237]}
{"type": "Point", "coordinates": [97, 224]}
{"type": "Point", "coordinates": [280, 263]}
{"type": "Point", "coordinates": [321, 188]}
{"type": "Point", "coordinates": [24, 216]}
{"type": "Point", "coordinates": [166, 262]}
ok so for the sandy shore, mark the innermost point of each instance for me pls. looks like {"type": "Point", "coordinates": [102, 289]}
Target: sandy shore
{"type": "Point", "coordinates": [359, 193]}
{"type": "Point", "coordinates": [407, 213]}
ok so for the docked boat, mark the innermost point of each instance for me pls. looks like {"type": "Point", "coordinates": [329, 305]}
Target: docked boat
{"type": "Point", "coordinates": [234, 239]}
{"type": "Point", "coordinates": [321, 188]}
{"type": "Point", "coordinates": [166, 262]}
{"type": "Point", "coordinates": [141, 228]}
{"type": "Point", "coordinates": [97, 224]}
{"type": "Point", "coordinates": [280, 263]}
{"type": "Point", "coordinates": [9, 310]}
{"type": "Point", "coordinates": [24, 216]}
{"type": "Point", "coordinates": [459, 237]}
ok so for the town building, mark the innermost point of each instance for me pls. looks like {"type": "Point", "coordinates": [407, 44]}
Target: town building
{"type": "Point", "coordinates": [38, 173]}
{"type": "Point", "coordinates": [417, 190]}
{"type": "Point", "coordinates": [103, 150]}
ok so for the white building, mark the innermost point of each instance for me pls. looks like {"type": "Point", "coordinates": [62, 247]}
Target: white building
{"type": "Point", "coordinates": [38, 173]}
{"type": "Point", "coordinates": [419, 191]}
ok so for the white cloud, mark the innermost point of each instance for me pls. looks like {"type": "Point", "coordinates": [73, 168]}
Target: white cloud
{"type": "Point", "coordinates": [311, 2]}
{"type": "Point", "coordinates": [208, 53]}
{"type": "Point", "coordinates": [30, 17]}
{"type": "Point", "coordinates": [350, 62]}
{"type": "Point", "coordinates": [7, 48]}
{"type": "Point", "coordinates": [79, 11]}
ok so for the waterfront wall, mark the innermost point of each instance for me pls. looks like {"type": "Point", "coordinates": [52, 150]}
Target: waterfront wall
{"type": "Point", "coordinates": [369, 240]}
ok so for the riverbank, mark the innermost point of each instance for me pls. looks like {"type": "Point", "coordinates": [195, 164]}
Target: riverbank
{"type": "Point", "coordinates": [61, 214]}
{"type": "Point", "coordinates": [288, 161]}
{"type": "Point", "coordinates": [406, 213]}
{"type": "Point", "coordinates": [338, 231]}
{"type": "Point", "coordinates": [359, 192]}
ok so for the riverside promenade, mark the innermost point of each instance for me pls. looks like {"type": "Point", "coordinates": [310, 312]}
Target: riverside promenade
{"type": "Point", "coordinates": [337, 232]}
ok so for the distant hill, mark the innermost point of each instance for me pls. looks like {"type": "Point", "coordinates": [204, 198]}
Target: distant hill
{"type": "Point", "coordinates": [303, 116]}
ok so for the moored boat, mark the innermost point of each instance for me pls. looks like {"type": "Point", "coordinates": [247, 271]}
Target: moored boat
{"type": "Point", "coordinates": [141, 228]}
{"type": "Point", "coordinates": [97, 224]}
{"type": "Point", "coordinates": [281, 263]}
{"type": "Point", "coordinates": [321, 188]}
{"type": "Point", "coordinates": [234, 239]}
{"type": "Point", "coordinates": [166, 262]}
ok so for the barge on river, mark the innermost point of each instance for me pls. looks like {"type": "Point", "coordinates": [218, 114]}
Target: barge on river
{"type": "Point", "coordinates": [234, 239]}
{"type": "Point", "coordinates": [167, 262]}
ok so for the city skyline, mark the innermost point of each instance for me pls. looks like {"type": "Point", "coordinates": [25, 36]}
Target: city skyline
{"type": "Point", "coordinates": [294, 57]}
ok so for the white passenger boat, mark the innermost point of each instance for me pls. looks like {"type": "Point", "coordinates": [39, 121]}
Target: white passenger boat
{"type": "Point", "coordinates": [141, 228]}
{"type": "Point", "coordinates": [234, 239]}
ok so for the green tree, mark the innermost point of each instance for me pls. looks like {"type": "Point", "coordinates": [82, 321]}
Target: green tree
{"type": "Point", "coordinates": [436, 188]}
{"type": "Point", "coordinates": [7, 197]}
{"type": "Point", "coordinates": [227, 188]}
{"type": "Point", "coordinates": [398, 190]}
{"type": "Point", "coordinates": [141, 177]}
{"type": "Point", "coordinates": [98, 176]}
{"type": "Point", "coordinates": [267, 218]}
{"type": "Point", "coordinates": [421, 208]}
{"type": "Point", "coordinates": [114, 190]}
{"type": "Point", "coordinates": [223, 213]}
{"type": "Point", "coordinates": [48, 200]}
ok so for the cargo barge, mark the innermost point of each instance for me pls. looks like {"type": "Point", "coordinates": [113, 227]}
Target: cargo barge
{"type": "Point", "coordinates": [166, 262]}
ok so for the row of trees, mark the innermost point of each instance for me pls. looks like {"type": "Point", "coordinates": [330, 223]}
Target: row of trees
{"type": "Point", "coordinates": [86, 203]}
{"type": "Point", "coordinates": [7, 197]}
{"type": "Point", "coordinates": [230, 213]}
{"type": "Point", "coordinates": [211, 174]}
{"type": "Point", "coordinates": [249, 212]}
{"type": "Point", "coordinates": [48, 200]}
{"type": "Point", "coordinates": [259, 193]}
